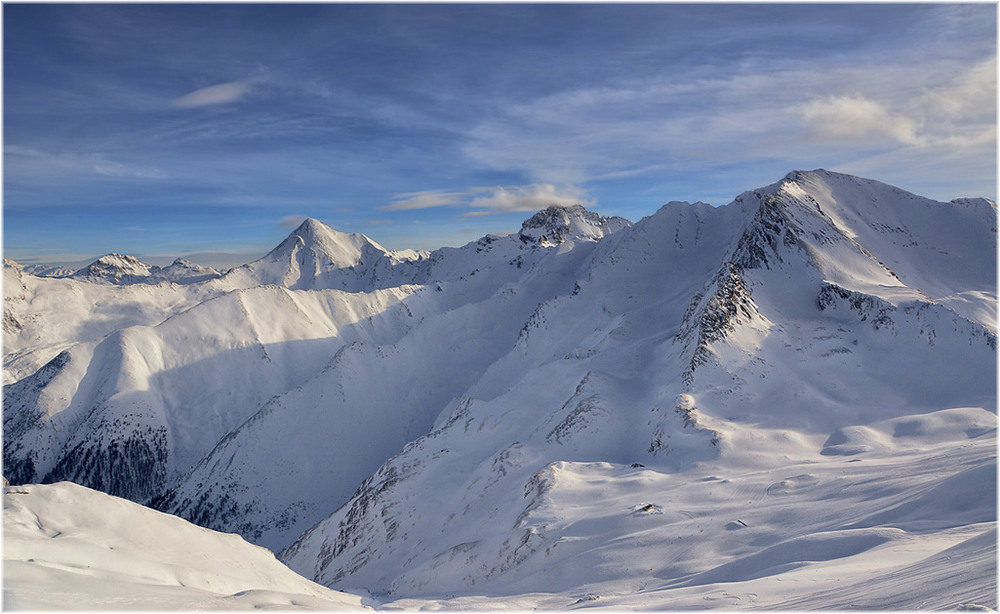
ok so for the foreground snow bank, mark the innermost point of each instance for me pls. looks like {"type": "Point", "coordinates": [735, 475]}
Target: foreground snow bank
{"type": "Point", "coordinates": [69, 547]}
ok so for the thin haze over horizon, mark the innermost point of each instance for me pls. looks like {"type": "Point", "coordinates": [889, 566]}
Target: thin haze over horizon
{"type": "Point", "coordinates": [207, 131]}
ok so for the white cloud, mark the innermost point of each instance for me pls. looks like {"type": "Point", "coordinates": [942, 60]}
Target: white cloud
{"type": "Point", "coordinates": [529, 198]}
{"type": "Point", "coordinates": [972, 94]}
{"type": "Point", "coordinates": [496, 199]}
{"type": "Point", "coordinates": [856, 119]}
{"type": "Point", "coordinates": [215, 94]}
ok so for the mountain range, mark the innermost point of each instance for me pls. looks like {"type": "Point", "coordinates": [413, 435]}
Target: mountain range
{"type": "Point", "coordinates": [587, 409]}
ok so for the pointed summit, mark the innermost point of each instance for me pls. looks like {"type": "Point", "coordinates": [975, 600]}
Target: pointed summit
{"type": "Point", "coordinates": [868, 236]}
{"type": "Point", "coordinates": [328, 247]}
{"type": "Point", "coordinates": [554, 225]}
{"type": "Point", "coordinates": [308, 257]}
{"type": "Point", "coordinates": [311, 227]}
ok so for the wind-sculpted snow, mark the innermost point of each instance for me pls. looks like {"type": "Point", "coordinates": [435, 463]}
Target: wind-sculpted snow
{"type": "Point", "coordinates": [67, 547]}
{"type": "Point", "coordinates": [714, 407]}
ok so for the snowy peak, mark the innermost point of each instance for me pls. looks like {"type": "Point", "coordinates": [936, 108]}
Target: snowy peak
{"type": "Point", "coordinates": [850, 200]}
{"type": "Point", "coordinates": [893, 228]}
{"type": "Point", "coordinates": [47, 270]}
{"type": "Point", "coordinates": [116, 268]}
{"type": "Point", "coordinates": [555, 225]}
{"type": "Point", "coordinates": [313, 256]}
{"type": "Point", "coordinates": [123, 269]}
{"type": "Point", "coordinates": [185, 271]}
{"type": "Point", "coordinates": [328, 247]}
{"type": "Point", "coordinates": [869, 236]}
{"type": "Point", "coordinates": [324, 246]}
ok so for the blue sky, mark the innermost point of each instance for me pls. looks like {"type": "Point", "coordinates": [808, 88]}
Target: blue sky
{"type": "Point", "coordinates": [186, 129]}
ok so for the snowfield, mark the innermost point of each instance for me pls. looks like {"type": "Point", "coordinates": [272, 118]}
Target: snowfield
{"type": "Point", "coordinates": [788, 402]}
{"type": "Point", "coordinates": [69, 547]}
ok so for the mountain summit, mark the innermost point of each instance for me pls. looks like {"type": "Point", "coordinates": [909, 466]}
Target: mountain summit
{"type": "Point", "coordinates": [554, 225]}
{"type": "Point", "coordinates": [122, 269]}
{"type": "Point", "coordinates": [314, 255]}
{"type": "Point", "coordinates": [326, 247]}
{"type": "Point", "coordinates": [116, 268]}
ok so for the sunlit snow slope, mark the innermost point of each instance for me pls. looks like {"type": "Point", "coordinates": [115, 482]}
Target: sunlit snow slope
{"type": "Point", "coordinates": [69, 547]}
{"type": "Point", "coordinates": [788, 401]}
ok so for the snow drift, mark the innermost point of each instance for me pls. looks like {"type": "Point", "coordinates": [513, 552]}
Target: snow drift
{"type": "Point", "coordinates": [66, 547]}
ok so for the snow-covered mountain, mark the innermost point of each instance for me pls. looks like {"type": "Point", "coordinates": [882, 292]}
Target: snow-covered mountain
{"type": "Point", "coordinates": [116, 268]}
{"type": "Point", "coordinates": [47, 270]}
{"type": "Point", "coordinates": [124, 269]}
{"type": "Point", "coordinates": [182, 271]}
{"type": "Point", "coordinates": [584, 407]}
{"type": "Point", "coordinates": [224, 353]}
{"type": "Point", "coordinates": [316, 257]}
{"type": "Point", "coordinates": [554, 225]}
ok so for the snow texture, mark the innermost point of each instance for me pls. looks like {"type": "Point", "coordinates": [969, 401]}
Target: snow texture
{"type": "Point", "coordinates": [69, 547]}
{"type": "Point", "coordinates": [788, 402]}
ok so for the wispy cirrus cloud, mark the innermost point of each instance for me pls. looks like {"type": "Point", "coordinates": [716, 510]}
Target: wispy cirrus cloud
{"type": "Point", "coordinates": [25, 162]}
{"type": "Point", "coordinates": [427, 200]}
{"type": "Point", "coordinates": [221, 93]}
{"type": "Point", "coordinates": [783, 110]}
{"type": "Point", "coordinates": [340, 105]}
{"type": "Point", "coordinates": [490, 200]}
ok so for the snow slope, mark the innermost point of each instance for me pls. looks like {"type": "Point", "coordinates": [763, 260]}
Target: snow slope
{"type": "Point", "coordinates": [136, 410]}
{"type": "Point", "coordinates": [44, 316]}
{"type": "Point", "coordinates": [376, 394]}
{"type": "Point", "coordinates": [69, 547]}
{"type": "Point", "coordinates": [702, 342]}
{"type": "Point", "coordinates": [787, 402]}
{"type": "Point", "coordinates": [806, 535]}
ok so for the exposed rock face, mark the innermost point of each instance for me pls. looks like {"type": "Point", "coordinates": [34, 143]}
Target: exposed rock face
{"type": "Point", "coordinates": [555, 225]}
